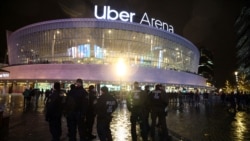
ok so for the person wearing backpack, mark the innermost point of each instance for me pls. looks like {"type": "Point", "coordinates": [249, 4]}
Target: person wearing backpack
{"type": "Point", "coordinates": [54, 110]}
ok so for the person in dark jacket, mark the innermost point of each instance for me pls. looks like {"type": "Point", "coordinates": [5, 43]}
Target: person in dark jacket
{"type": "Point", "coordinates": [105, 106]}
{"type": "Point", "coordinates": [91, 114]}
{"type": "Point", "coordinates": [136, 101]}
{"type": "Point", "coordinates": [67, 107]}
{"type": "Point", "coordinates": [147, 108]}
{"type": "Point", "coordinates": [158, 101]}
{"type": "Point", "coordinates": [27, 98]}
{"type": "Point", "coordinates": [54, 109]}
{"type": "Point", "coordinates": [76, 110]}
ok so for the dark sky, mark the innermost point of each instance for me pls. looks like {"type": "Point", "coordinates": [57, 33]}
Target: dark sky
{"type": "Point", "coordinates": [206, 23]}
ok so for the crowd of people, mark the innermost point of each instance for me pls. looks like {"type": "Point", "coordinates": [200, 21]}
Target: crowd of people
{"type": "Point", "coordinates": [236, 101]}
{"type": "Point", "coordinates": [81, 107]}
{"type": "Point", "coordinates": [148, 109]}
{"type": "Point", "coordinates": [145, 103]}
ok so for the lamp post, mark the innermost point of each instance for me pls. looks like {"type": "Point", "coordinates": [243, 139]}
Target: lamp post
{"type": "Point", "coordinates": [236, 79]}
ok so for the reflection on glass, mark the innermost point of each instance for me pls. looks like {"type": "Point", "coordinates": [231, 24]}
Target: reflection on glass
{"type": "Point", "coordinates": [135, 47]}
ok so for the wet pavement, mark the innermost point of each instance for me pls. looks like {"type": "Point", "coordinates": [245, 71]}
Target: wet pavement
{"type": "Point", "coordinates": [209, 121]}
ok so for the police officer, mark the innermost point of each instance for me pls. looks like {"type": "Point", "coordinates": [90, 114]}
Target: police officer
{"type": "Point", "coordinates": [105, 106]}
{"type": "Point", "coordinates": [54, 109]}
{"type": "Point", "coordinates": [158, 102]}
{"type": "Point", "coordinates": [91, 115]}
{"type": "Point", "coordinates": [136, 105]}
{"type": "Point", "coordinates": [76, 105]}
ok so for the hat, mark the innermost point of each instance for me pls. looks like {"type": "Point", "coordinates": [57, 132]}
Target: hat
{"type": "Point", "coordinates": [79, 80]}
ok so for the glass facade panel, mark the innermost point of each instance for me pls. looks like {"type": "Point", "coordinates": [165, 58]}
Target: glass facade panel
{"type": "Point", "coordinates": [96, 45]}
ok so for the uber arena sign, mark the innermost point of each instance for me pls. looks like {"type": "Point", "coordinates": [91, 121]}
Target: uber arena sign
{"type": "Point", "coordinates": [111, 14]}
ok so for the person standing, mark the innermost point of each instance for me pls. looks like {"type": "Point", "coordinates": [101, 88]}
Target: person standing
{"type": "Point", "coordinates": [147, 108]}
{"type": "Point", "coordinates": [90, 119]}
{"type": "Point", "coordinates": [54, 109]}
{"type": "Point", "coordinates": [76, 111]}
{"type": "Point", "coordinates": [68, 107]}
{"type": "Point", "coordinates": [105, 106]}
{"type": "Point", "coordinates": [47, 94]}
{"type": "Point", "coordinates": [158, 100]}
{"type": "Point", "coordinates": [27, 98]}
{"type": "Point", "coordinates": [136, 105]}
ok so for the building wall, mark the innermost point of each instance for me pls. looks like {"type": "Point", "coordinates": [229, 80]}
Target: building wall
{"type": "Point", "coordinates": [67, 49]}
{"type": "Point", "coordinates": [94, 41]}
{"type": "Point", "coordinates": [101, 73]}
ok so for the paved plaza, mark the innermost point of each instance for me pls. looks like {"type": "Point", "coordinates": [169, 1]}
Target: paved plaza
{"type": "Point", "coordinates": [208, 121]}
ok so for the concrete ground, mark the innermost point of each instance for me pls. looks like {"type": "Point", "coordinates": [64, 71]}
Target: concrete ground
{"type": "Point", "coordinates": [208, 121]}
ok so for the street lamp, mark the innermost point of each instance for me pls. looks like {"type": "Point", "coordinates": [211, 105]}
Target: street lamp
{"type": "Point", "coordinates": [236, 78]}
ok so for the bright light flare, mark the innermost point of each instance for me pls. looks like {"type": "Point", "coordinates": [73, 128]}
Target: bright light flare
{"type": "Point", "coordinates": [121, 67]}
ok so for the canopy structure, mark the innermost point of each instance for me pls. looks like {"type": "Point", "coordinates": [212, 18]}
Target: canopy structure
{"type": "Point", "coordinates": [4, 73]}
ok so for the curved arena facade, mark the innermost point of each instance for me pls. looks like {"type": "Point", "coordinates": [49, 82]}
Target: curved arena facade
{"type": "Point", "coordinates": [101, 51]}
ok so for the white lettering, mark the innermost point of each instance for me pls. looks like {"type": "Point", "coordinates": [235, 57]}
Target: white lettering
{"type": "Point", "coordinates": [124, 16]}
{"type": "Point", "coordinates": [171, 29]}
{"type": "Point", "coordinates": [152, 21]}
{"type": "Point", "coordinates": [158, 24]}
{"type": "Point", "coordinates": [131, 17]}
{"type": "Point", "coordinates": [145, 20]}
{"type": "Point", "coordinates": [111, 14]}
{"type": "Point", "coordinates": [165, 26]}
{"type": "Point", "coordinates": [96, 13]}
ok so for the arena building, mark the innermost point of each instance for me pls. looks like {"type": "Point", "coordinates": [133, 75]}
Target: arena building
{"type": "Point", "coordinates": [106, 52]}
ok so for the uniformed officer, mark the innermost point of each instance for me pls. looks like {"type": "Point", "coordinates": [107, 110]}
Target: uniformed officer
{"type": "Point", "coordinates": [158, 101]}
{"type": "Point", "coordinates": [105, 106]}
{"type": "Point", "coordinates": [54, 109]}
{"type": "Point", "coordinates": [136, 105]}
{"type": "Point", "coordinates": [76, 110]}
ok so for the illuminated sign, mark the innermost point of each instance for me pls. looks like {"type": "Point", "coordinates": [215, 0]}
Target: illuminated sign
{"type": "Point", "coordinates": [111, 14]}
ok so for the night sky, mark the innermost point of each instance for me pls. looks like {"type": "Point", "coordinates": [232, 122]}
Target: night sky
{"type": "Point", "coordinates": [206, 23]}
